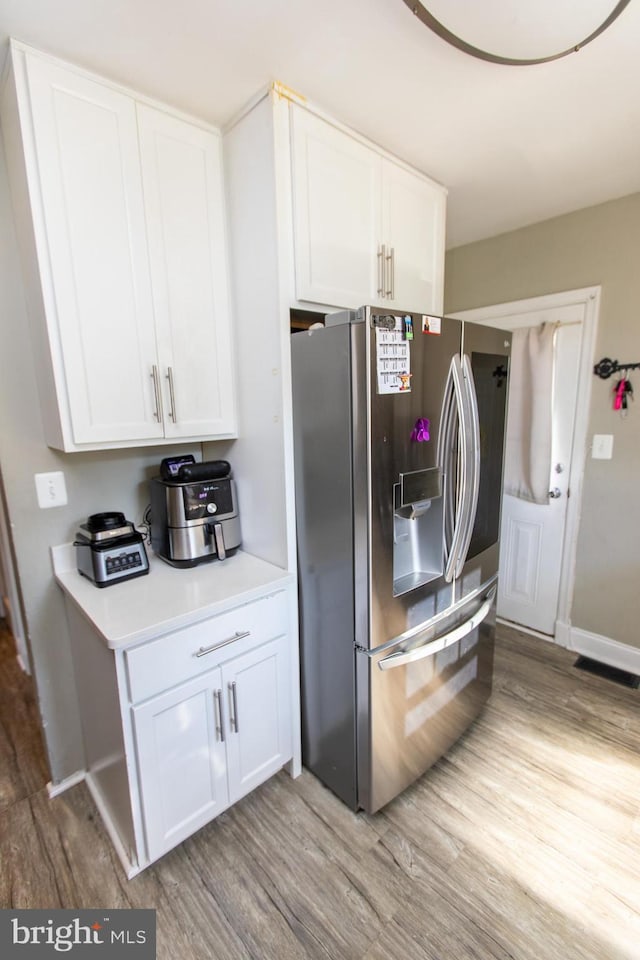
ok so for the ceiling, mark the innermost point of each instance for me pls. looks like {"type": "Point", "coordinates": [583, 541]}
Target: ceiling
{"type": "Point", "coordinates": [514, 145]}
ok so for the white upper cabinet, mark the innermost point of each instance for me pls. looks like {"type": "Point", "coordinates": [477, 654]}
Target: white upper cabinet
{"type": "Point", "coordinates": [413, 210]}
{"type": "Point", "coordinates": [92, 252]}
{"type": "Point", "coordinates": [119, 207]}
{"type": "Point", "coordinates": [183, 195]}
{"type": "Point", "coordinates": [337, 222]}
{"type": "Point", "coordinates": [366, 229]}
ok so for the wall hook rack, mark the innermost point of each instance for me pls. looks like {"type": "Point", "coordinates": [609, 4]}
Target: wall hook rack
{"type": "Point", "coordinates": [606, 368]}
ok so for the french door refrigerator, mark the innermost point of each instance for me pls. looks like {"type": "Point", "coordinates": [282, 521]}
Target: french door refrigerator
{"type": "Point", "coordinates": [398, 444]}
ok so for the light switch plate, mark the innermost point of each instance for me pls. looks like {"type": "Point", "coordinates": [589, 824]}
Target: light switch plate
{"type": "Point", "coordinates": [602, 446]}
{"type": "Point", "coordinates": [51, 489]}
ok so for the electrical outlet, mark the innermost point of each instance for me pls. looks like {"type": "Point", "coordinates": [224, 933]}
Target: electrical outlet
{"type": "Point", "coordinates": [51, 489]}
{"type": "Point", "coordinates": [602, 446]}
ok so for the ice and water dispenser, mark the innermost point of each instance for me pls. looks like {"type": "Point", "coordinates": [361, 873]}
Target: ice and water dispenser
{"type": "Point", "coordinates": [417, 529]}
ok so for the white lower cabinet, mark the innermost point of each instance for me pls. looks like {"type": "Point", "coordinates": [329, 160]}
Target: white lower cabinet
{"type": "Point", "coordinates": [179, 722]}
{"type": "Point", "coordinates": [259, 740]}
{"type": "Point", "coordinates": [181, 762]}
{"type": "Point", "coordinates": [206, 743]}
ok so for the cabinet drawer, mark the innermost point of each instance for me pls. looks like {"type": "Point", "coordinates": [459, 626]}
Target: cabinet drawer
{"type": "Point", "coordinates": [160, 664]}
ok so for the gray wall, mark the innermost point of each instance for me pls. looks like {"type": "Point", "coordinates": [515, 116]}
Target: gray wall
{"type": "Point", "coordinates": [110, 480]}
{"type": "Point", "coordinates": [599, 245]}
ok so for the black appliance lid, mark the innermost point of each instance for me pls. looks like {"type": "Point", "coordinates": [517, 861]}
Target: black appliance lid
{"type": "Point", "coordinates": [98, 522]}
{"type": "Point", "coordinates": [106, 526]}
{"type": "Point", "coordinates": [207, 470]}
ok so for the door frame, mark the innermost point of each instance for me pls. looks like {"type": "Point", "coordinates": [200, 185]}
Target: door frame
{"type": "Point", "coordinates": [589, 299]}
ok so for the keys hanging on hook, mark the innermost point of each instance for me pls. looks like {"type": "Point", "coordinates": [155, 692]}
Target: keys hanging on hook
{"type": "Point", "coordinates": [622, 392]}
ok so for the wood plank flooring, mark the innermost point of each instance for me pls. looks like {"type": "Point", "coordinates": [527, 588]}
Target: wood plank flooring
{"type": "Point", "coordinates": [522, 843]}
{"type": "Point", "coordinates": [23, 767]}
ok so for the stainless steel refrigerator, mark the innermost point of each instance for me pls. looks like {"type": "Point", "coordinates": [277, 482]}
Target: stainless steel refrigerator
{"type": "Point", "coordinates": [398, 438]}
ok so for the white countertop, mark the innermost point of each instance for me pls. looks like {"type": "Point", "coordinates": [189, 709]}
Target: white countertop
{"type": "Point", "coordinates": [167, 598]}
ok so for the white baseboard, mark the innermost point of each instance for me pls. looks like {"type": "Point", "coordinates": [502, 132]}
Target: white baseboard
{"type": "Point", "coordinates": [55, 789]}
{"type": "Point", "coordinates": [608, 651]}
{"type": "Point", "coordinates": [563, 634]}
{"type": "Point", "coordinates": [592, 645]}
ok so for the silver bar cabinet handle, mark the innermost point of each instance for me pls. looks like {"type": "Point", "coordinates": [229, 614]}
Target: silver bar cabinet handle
{"type": "Point", "coordinates": [217, 700]}
{"type": "Point", "coordinates": [389, 267]}
{"type": "Point", "coordinates": [381, 258]}
{"type": "Point", "coordinates": [233, 706]}
{"type": "Point", "coordinates": [172, 396]}
{"type": "Point", "coordinates": [239, 635]}
{"type": "Point", "coordinates": [156, 389]}
{"type": "Point", "coordinates": [393, 273]}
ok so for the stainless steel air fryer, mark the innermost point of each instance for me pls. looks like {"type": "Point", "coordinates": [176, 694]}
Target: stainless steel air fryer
{"type": "Point", "coordinates": [194, 514]}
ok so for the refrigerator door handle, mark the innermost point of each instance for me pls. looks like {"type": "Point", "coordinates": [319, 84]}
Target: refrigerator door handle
{"type": "Point", "coordinates": [472, 485]}
{"type": "Point", "coordinates": [404, 657]}
{"type": "Point", "coordinates": [455, 399]}
{"type": "Point", "coordinates": [444, 458]}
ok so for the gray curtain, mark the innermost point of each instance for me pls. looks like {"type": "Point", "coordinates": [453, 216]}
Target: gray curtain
{"type": "Point", "coordinates": [528, 442]}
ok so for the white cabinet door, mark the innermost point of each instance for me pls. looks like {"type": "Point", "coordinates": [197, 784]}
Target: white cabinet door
{"type": "Point", "coordinates": [90, 235]}
{"type": "Point", "coordinates": [256, 686]}
{"type": "Point", "coordinates": [337, 215]}
{"type": "Point", "coordinates": [366, 229]}
{"type": "Point", "coordinates": [414, 231]}
{"type": "Point", "coordinates": [184, 201]}
{"type": "Point", "coordinates": [181, 757]}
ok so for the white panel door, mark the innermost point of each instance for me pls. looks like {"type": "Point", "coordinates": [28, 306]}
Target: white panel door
{"type": "Point", "coordinates": [259, 707]}
{"type": "Point", "coordinates": [93, 254]}
{"type": "Point", "coordinates": [181, 758]}
{"type": "Point", "coordinates": [337, 214]}
{"type": "Point", "coordinates": [532, 535]}
{"type": "Point", "coordinates": [184, 201]}
{"type": "Point", "coordinates": [413, 228]}
{"type": "Point", "coordinates": [522, 560]}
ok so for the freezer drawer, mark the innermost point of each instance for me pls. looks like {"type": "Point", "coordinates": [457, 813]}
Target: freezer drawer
{"type": "Point", "coordinates": [417, 698]}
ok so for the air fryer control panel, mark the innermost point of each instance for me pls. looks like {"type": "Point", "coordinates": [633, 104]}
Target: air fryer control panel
{"type": "Point", "coordinates": [207, 499]}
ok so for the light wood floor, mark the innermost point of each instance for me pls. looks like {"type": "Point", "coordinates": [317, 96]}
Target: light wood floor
{"type": "Point", "coordinates": [522, 843]}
